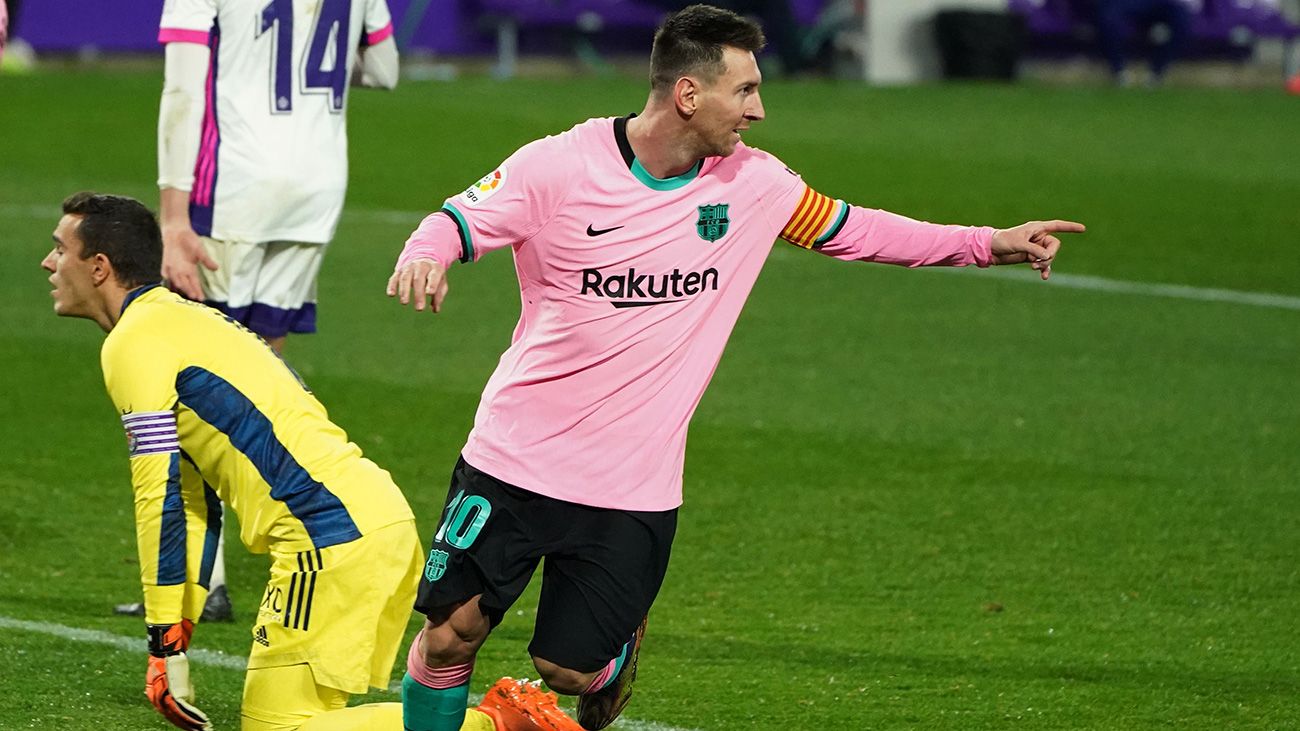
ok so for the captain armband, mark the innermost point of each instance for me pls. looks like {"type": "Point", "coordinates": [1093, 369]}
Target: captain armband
{"type": "Point", "coordinates": [151, 432]}
{"type": "Point", "coordinates": [816, 220]}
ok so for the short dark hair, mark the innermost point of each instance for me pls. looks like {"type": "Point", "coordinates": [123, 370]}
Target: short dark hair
{"type": "Point", "coordinates": [691, 41]}
{"type": "Point", "coordinates": [121, 229]}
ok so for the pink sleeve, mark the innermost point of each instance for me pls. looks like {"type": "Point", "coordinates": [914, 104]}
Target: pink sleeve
{"type": "Point", "coordinates": [504, 208]}
{"type": "Point", "coordinates": [867, 234]}
{"type": "Point", "coordinates": [509, 205]}
{"type": "Point", "coordinates": [437, 238]}
{"type": "Point", "coordinates": [814, 221]}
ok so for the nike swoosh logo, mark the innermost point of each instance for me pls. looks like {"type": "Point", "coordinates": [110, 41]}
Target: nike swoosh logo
{"type": "Point", "coordinates": [598, 231]}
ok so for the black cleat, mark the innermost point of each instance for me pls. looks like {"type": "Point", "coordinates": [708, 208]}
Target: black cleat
{"type": "Point", "coordinates": [218, 608]}
{"type": "Point", "coordinates": [600, 709]}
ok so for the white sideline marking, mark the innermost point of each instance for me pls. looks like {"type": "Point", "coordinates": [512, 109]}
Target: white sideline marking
{"type": "Point", "coordinates": [222, 660]}
{"type": "Point", "coordinates": [1071, 281]}
{"type": "Point", "coordinates": [131, 644]}
{"type": "Point", "coordinates": [1148, 289]}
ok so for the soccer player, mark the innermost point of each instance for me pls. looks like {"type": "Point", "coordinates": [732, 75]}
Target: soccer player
{"type": "Point", "coordinates": [252, 154]}
{"type": "Point", "coordinates": [252, 147]}
{"type": "Point", "coordinates": [213, 415]}
{"type": "Point", "coordinates": [636, 240]}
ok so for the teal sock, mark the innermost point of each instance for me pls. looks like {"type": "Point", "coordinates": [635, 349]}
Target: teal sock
{"type": "Point", "coordinates": [428, 709]}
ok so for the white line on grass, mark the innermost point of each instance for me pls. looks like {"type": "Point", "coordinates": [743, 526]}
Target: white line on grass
{"type": "Point", "coordinates": [1149, 289]}
{"type": "Point", "coordinates": [219, 659]}
{"type": "Point", "coordinates": [1070, 281]}
{"type": "Point", "coordinates": [131, 644]}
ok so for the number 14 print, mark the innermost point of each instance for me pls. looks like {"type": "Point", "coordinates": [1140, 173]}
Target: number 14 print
{"type": "Point", "coordinates": [324, 70]}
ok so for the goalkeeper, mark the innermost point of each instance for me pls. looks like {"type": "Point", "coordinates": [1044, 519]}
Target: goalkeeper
{"type": "Point", "coordinates": [212, 415]}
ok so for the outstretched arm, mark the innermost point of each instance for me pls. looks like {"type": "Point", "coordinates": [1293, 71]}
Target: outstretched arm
{"type": "Point", "coordinates": [845, 231]}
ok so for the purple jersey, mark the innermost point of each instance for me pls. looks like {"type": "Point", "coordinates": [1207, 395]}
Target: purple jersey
{"type": "Point", "coordinates": [631, 286]}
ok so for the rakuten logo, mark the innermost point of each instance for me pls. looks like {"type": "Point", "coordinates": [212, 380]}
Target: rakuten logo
{"type": "Point", "coordinates": [643, 290]}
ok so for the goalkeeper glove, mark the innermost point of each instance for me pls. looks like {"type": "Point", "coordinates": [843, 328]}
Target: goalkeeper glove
{"type": "Point", "coordinates": [167, 681]}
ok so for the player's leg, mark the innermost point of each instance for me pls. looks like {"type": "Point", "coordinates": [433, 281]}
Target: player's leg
{"type": "Point", "coordinates": [596, 593]}
{"type": "Point", "coordinates": [485, 550]}
{"type": "Point", "coordinates": [326, 627]}
{"type": "Point", "coordinates": [284, 296]}
{"type": "Point", "coordinates": [435, 689]}
{"type": "Point", "coordinates": [286, 697]}
{"type": "Point", "coordinates": [218, 608]}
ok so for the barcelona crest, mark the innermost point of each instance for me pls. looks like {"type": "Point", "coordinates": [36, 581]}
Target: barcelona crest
{"type": "Point", "coordinates": [713, 222]}
{"type": "Point", "coordinates": [436, 566]}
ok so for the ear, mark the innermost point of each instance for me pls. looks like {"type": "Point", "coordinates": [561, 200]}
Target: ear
{"type": "Point", "coordinates": [102, 271]}
{"type": "Point", "coordinates": [686, 93]}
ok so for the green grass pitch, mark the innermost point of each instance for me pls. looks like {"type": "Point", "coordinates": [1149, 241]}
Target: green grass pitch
{"type": "Point", "coordinates": [914, 500]}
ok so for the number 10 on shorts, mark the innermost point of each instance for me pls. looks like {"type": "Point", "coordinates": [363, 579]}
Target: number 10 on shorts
{"type": "Point", "coordinates": [463, 520]}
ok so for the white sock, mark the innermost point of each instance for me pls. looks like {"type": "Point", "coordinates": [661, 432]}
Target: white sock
{"type": "Point", "coordinates": [219, 565]}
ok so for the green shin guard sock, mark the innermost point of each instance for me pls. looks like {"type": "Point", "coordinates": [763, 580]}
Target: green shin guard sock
{"type": "Point", "coordinates": [429, 709]}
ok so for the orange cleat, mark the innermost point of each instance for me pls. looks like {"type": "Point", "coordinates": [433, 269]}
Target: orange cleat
{"type": "Point", "coordinates": [1293, 84]}
{"type": "Point", "coordinates": [518, 705]}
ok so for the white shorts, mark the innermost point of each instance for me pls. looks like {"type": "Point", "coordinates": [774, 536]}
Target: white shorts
{"type": "Point", "coordinates": [269, 288]}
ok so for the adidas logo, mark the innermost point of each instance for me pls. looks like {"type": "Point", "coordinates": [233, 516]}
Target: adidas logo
{"type": "Point", "coordinates": [260, 636]}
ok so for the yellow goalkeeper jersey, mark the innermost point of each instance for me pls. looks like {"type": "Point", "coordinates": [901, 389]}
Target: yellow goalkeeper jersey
{"type": "Point", "coordinates": [213, 415]}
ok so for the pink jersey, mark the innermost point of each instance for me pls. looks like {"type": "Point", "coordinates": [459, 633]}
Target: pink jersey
{"type": "Point", "coordinates": [631, 286]}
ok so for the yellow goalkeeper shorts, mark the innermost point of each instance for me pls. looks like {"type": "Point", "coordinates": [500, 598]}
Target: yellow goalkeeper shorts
{"type": "Point", "coordinates": [342, 610]}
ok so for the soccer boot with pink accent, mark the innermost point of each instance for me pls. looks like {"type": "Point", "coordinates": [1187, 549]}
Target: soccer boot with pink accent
{"type": "Point", "coordinates": [518, 705]}
{"type": "Point", "coordinates": [598, 710]}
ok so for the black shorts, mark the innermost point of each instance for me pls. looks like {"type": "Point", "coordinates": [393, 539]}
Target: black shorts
{"type": "Point", "coordinates": [603, 567]}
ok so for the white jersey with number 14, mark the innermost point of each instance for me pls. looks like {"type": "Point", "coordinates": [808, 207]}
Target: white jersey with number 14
{"type": "Point", "coordinates": [273, 162]}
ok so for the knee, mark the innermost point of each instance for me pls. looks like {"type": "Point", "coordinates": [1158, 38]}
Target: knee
{"type": "Point", "coordinates": [562, 679]}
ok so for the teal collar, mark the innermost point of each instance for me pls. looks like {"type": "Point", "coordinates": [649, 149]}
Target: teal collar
{"type": "Point", "coordinates": [638, 170]}
{"type": "Point", "coordinates": [672, 183]}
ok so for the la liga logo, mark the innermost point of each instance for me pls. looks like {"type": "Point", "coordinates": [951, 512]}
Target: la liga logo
{"type": "Point", "coordinates": [485, 188]}
{"type": "Point", "coordinates": [490, 182]}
